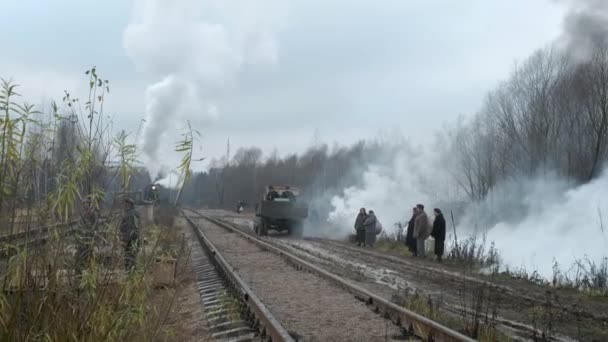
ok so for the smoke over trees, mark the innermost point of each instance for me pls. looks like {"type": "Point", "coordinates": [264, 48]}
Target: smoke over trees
{"type": "Point", "coordinates": [244, 176]}
{"type": "Point", "coordinates": [551, 115]}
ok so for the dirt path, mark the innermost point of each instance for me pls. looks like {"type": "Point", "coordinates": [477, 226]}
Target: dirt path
{"type": "Point", "coordinates": [310, 306]}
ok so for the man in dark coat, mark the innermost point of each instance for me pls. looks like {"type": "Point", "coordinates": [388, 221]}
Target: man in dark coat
{"type": "Point", "coordinates": [422, 230]}
{"type": "Point", "coordinates": [129, 233]}
{"type": "Point", "coordinates": [410, 240]}
{"type": "Point", "coordinates": [370, 228]}
{"type": "Point", "coordinates": [360, 228]}
{"type": "Point", "coordinates": [439, 233]}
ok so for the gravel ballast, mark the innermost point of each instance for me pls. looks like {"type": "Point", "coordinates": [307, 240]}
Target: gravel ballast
{"type": "Point", "coordinates": [304, 303]}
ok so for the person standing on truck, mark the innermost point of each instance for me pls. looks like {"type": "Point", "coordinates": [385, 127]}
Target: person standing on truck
{"type": "Point", "coordinates": [439, 233]}
{"type": "Point", "coordinates": [370, 229]}
{"type": "Point", "coordinates": [360, 228]}
{"type": "Point", "coordinates": [129, 233]}
{"type": "Point", "coordinates": [422, 230]}
{"type": "Point", "coordinates": [410, 240]}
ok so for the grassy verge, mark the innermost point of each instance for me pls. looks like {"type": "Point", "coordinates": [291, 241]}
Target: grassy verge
{"type": "Point", "coordinates": [392, 246]}
{"type": "Point", "coordinates": [44, 299]}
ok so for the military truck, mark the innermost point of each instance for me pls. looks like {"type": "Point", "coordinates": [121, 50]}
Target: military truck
{"type": "Point", "coordinates": [280, 209]}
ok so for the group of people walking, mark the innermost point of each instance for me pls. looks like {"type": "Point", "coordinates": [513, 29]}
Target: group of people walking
{"type": "Point", "coordinates": [419, 229]}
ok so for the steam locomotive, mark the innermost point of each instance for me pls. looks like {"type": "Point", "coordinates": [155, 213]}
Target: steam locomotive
{"type": "Point", "coordinates": [150, 194]}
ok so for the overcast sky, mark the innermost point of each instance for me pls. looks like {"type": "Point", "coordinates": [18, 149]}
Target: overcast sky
{"type": "Point", "coordinates": [345, 69]}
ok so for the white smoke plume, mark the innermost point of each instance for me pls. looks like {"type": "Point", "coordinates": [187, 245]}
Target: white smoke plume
{"type": "Point", "coordinates": [585, 26]}
{"type": "Point", "coordinates": [390, 185]}
{"type": "Point", "coordinates": [536, 222]}
{"type": "Point", "coordinates": [170, 180]}
{"type": "Point", "coordinates": [532, 222]}
{"type": "Point", "coordinates": [196, 50]}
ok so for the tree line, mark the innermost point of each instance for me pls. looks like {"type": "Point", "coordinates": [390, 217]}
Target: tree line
{"type": "Point", "coordinates": [551, 115]}
{"type": "Point", "coordinates": [244, 176]}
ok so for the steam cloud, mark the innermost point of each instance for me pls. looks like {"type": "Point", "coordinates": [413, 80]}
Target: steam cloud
{"type": "Point", "coordinates": [391, 184]}
{"type": "Point", "coordinates": [542, 221]}
{"type": "Point", "coordinates": [196, 49]}
{"type": "Point", "coordinates": [533, 222]}
{"type": "Point", "coordinates": [585, 26]}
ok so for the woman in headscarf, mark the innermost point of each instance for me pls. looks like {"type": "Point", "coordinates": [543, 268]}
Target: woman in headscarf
{"type": "Point", "coordinates": [360, 228]}
{"type": "Point", "coordinates": [370, 229]}
{"type": "Point", "coordinates": [439, 233]}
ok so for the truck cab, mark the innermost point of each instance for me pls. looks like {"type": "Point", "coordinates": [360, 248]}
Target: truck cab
{"type": "Point", "coordinates": [280, 209]}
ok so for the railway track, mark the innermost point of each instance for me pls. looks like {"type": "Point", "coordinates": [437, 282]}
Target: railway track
{"type": "Point", "coordinates": [391, 276]}
{"type": "Point", "coordinates": [224, 299]}
{"type": "Point", "coordinates": [515, 299]}
{"type": "Point", "coordinates": [34, 237]}
{"type": "Point", "coordinates": [309, 301]}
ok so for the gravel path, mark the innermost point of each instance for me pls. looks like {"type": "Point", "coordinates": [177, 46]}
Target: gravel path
{"type": "Point", "coordinates": [304, 303]}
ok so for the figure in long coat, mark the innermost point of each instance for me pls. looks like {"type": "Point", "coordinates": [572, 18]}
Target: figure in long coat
{"type": "Point", "coordinates": [439, 233]}
{"type": "Point", "coordinates": [370, 229]}
{"type": "Point", "coordinates": [410, 240]}
{"type": "Point", "coordinates": [360, 228]}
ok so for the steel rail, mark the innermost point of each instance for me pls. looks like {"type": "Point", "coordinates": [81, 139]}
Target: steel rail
{"type": "Point", "coordinates": [34, 232]}
{"type": "Point", "coordinates": [265, 322]}
{"type": "Point", "coordinates": [423, 327]}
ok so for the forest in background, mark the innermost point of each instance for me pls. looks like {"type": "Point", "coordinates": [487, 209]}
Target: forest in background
{"type": "Point", "coordinates": [549, 117]}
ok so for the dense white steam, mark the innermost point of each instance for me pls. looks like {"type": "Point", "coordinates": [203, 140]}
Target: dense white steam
{"type": "Point", "coordinates": [196, 50]}
{"type": "Point", "coordinates": [532, 222]}
{"type": "Point", "coordinates": [585, 26]}
{"type": "Point", "coordinates": [552, 223]}
{"type": "Point", "coordinates": [170, 180]}
{"type": "Point", "coordinates": [390, 187]}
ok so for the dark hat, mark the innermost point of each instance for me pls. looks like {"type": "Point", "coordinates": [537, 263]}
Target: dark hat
{"type": "Point", "coordinates": [129, 200]}
{"type": "Point", "coordinates": [420, 206]}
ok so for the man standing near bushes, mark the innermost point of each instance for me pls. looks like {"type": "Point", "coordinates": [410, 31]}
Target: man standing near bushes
{"type": "Point", "coordinates": [129, 233]}
{"type": "Point", "coordinates": [422, 230]}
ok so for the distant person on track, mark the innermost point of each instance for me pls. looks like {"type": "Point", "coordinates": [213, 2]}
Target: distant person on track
{"type": "Point", "coordinates": [129, 233]}
{"type": "Point", "coordinates": [410, 240]}
{"type": "Point", "coordinates": [360, 227]}
{"type": "Point", "coordinates": [370, 229]}
{"type": "Point", "coordinates": [439, 233]}
{"type": "Point", "coordinates": [422, 230]}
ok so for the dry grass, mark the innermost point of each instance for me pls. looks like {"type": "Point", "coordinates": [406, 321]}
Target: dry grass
{"type": "Point", "coordinates": [43, 297]}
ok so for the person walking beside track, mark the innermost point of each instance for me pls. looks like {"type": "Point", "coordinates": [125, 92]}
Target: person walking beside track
{"type": "Point", "coordinates": [360, 228]}
{"type": "Point", "coordinates": [422, 230]}
{"type": "Point", "coordinates": [438, 233]}
{"type": "Point", "coordinates": [410, 240]}
{"type": "Point", "coordinates": [370, 229]}
{"type": "Point", "coordinates": [129, 233]}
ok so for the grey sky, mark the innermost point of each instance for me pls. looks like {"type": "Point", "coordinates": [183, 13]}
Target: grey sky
{"type": "Point", "coordinates": [347, 69]}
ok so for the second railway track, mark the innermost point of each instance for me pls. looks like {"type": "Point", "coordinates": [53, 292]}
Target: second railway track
{"type": "Point", "coordinates": [313, 304]}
